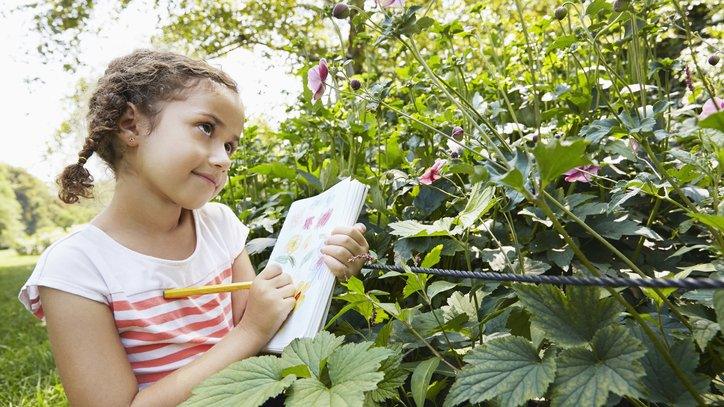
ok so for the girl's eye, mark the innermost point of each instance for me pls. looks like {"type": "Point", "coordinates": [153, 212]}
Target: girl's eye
{"type": "Point", "coordinates": [230, 148]}
{"type": "Point", "coordinates": [205, 126]}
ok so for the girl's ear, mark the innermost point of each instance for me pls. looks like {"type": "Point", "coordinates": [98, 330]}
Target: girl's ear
{"type": "Point", "coordinates": [130, 125]}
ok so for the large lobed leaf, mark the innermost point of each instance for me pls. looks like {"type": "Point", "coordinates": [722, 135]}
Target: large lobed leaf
{"type": "Point", "coordinates": [312, 352]}
{"type": "Point", "coordinates": [353, 370]}
{"type": "Point", "coordinates": [249, 382]}
{"type": "Point", "coordinates": [569, 319]}
{"type": "Point", "coordinates": [508, 368]}
{"type": "Point", "coordinates": [586, 375]}
{"type": "Point", "coordinates": [662, 384]}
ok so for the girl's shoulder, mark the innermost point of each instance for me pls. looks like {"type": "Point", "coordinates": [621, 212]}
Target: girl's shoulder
{"type": "Point", "coordinates": [67, 265]}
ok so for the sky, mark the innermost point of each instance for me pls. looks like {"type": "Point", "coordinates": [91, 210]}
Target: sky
{"type": "Point", "coordinates": [34, 102]}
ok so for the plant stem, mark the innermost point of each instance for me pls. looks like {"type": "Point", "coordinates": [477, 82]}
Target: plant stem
{"type": "Point", "coordinates": [618, 254]}
{"type": "Point", "coordinates": [540, 202]}
{"type": "Point", "coordinates": [647, 147]}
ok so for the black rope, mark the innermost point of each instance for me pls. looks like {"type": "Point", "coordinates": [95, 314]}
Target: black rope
{"type": "Point", "coordinates": [685, 283]}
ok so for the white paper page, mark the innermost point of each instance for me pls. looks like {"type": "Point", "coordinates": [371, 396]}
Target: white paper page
{"type": "Point", "coordinates": [297, 251]}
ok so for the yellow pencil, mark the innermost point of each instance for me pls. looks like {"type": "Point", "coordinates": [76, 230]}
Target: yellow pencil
{"type": "Point", "coordinates": [207, 289]}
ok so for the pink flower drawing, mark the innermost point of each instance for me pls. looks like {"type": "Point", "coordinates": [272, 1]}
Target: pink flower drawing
{"type": "Point", "coordinates": [315, 79]}
{"type": "Point", "coordinates": [308, 222]}
{"type": "Point", "coordinates": [324, 218]}
{"type": "Point", "coordinates": [433, 173]}
{"type": "Point", "coordinates": [581, 174]}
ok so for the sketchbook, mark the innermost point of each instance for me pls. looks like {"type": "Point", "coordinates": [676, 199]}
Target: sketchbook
{"type": "Point", "coordinates": [297, 250]}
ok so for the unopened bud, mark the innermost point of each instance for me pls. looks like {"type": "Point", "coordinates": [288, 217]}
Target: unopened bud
{"type": "Point", "coordinates": [340, 11]}
{"type": "Point", "coordinates": [457, 133]}
{"type": "Point", "coordinates": [560, 13]}
{"type": "Point", "coordinates": [454, 154]}
{"type": "Point", "coordinates": [355, 84]}
{"type": "Point", "coordinates": [620, 5]}
{"type": "Point", "coordinates": [713, 60]}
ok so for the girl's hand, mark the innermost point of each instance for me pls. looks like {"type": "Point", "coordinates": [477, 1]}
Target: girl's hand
{"type": "Point", "coordinates": [271, 298]}
{"type": "Point", "coordinates": [345, 243]}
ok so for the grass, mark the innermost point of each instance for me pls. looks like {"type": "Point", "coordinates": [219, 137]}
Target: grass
{"type": "Point", "coordinates": [28, 376]}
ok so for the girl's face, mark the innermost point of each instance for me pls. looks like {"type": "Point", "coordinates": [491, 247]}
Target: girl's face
{"type": "Point", "coordinates": [187, 155]}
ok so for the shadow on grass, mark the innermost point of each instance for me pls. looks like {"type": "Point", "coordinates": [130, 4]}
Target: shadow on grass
{"type": "Point", "coordinates": [27, 372]}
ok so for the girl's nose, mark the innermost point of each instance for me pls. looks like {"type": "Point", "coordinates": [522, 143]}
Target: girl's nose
{"type": "Point", "coordinates": [220, 158]}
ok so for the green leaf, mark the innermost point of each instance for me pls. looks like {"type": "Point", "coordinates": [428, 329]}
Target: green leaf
{"type": "Point", "coordinates": [718, 306]}
{"type": "Point", "coordinates": [716, 221]}
{"type": "Point", "coordinates": [561, 42]}
{"type": "Point", "coordinates": [249, 382]}
{"type": "Point", "coordinates": [357, 363]}
{"type": "Point", "coordinates": [556, 158]}
{"type": "Point", "coordinates": [312, 392]}
{"type": "Point", "coordinates": [433, 257]}
{"type": "Point", "coordinates": [353, 369]}
{"type": "Point", "coordinates": [571, 319]}
{"type": "Point", "coordinates": [355, 285]}
{"type": "Point", "coordinates": [703, 330]}
{"type": "Point", "coordinates": [439, 286]}
{"type": "Point", "coordinates": [598, 6]}
{"type": "Point", "coordinates": [612, 364]}
{"type": "Point", "coordinates": [328, 174]}
{"type": "Point", "coordinates": [508, 368]}
{"type": "Point", "coordinates": [481, 200]}
{"type": "Point", "coordinates": [411, 228]}
{"type": "Point", "coordinates": [660, 380]}
{"type": "Point", "coordinates": [394, 378]}
{"type": "Point", "coordinates": [312, 352]}
{"type": "Point", "coordinates": [275, 170]}
{"type": "Point", "coordinates": [421, 379]}
{"type": "Point", "coordinates": [713, 121]}
{"type": "Point", "coordinates": [415, 282]}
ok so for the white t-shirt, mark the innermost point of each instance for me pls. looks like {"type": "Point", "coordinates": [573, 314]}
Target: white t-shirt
{"type": "Point", "coordinates": [159, 335]}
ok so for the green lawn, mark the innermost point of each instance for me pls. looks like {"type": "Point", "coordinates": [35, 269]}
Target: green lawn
{"type": "Point", "coordinates": [27, 372]}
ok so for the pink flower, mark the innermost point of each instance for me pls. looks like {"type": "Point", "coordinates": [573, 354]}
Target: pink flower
{"type": "Point", "coordinates": [391, 3]}
{"type": "Point", "coordinates": [308, 222]}
{"type": "Point", "coordinates": [315, 79]}
{"type": "Point", "coordinates": [433, 173]}
{"type": "Point", "coordinates": [709, 108]}
{"type": "Point", "coordinates": [324, 218]}
{"type": "Point", "coordinates": [582, 174]}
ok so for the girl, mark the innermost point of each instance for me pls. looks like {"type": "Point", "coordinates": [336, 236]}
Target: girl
{"type": "Point", "coordinates": [166, 125]}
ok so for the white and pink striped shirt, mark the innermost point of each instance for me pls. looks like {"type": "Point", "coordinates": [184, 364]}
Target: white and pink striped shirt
{"type": "Point", "coordinates": [159, 335]}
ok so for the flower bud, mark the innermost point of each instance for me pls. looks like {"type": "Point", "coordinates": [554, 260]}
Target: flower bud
{"type": "Point", "coordinates": [457, 133]}
{"type": "Point", "coordinates": [713, 60]}
{"type": "Point", "coordinates": [454, 154]}
{"type": "Point", "coordinates": [620, 5]}
{"type": "Point", "coordinates": [340, 11]}
{"type": "Point", "coordinates": [535, 138]}
{"type": "Point", "coordinates": [355, 84]}
{"type": "Point", "coordinates": [561, 13]}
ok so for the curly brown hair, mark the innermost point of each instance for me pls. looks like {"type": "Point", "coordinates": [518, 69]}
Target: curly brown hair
{"type": "Point", "coordinates": [143, 78]}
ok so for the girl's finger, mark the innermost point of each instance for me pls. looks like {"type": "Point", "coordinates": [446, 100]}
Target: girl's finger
{"type": "Point", "coordinates": [338, 252]}
{"type": "Point", "coordinates": [288, 291]}
{"type": "Point", "coordinates": [352, 232]}
{"type": "Point", "coordinates": [346, 242]}
{"type": "Point", "coordinates": [336, 267]}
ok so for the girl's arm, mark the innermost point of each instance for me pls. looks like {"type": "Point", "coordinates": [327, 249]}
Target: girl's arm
{"type": "Point", "coordinates": [242, 270]}
{"type": "Point", "coordinates": [93, 365]}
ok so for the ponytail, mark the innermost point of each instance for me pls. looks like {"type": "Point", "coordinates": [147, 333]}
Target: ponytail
{"type": "Point", "coordinates": [75, 180]}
